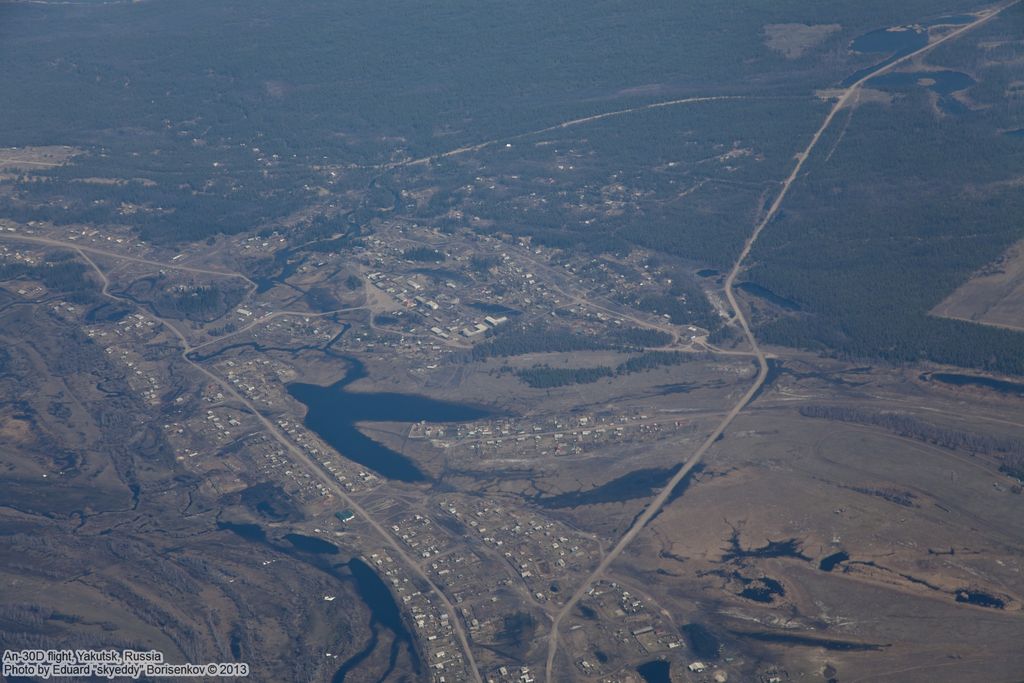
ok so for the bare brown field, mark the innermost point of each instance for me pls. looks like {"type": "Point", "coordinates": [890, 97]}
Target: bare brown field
{"type": "Point", "coordinates": [830, 546]}
{"type": "Point", "coordinates": [995, 296]}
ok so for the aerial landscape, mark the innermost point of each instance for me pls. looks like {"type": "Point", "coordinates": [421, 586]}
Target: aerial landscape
{"type": "Point", "coordinates": [661, 342]}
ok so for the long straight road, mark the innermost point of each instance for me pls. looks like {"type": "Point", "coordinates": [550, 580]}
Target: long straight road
{"type": "Point", "coordinates": [659, 501]}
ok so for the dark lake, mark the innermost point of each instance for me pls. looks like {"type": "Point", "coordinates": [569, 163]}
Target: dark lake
{"type": "Point", "coordinates": [1001, 386]}
{"type": "Point", "coordinates": [639, 483]}
{"type": "Point", "coordinates": [763, 590]}
{"type": "Point", "coordinates": [768, 295]}
{"type": "Point", "coordinates": [285, 267]}
{"type": "Point", "coordinates": [886, 40]}
{"type": "Point", "coordinates": [895, 43]}
{"type": "Point", "coordinates": [829, 563]}
{"type": "Point", "coordinates": [678, 388]}
{"type": "Point", "coordinates": [312, 544]}
{"type": "Point", "coordinates": [944, 83]}
{"type": "Point", "coordinates": [979, 599]}
{"type": "Point", "coordinates": [107, 312]}
{"type": "Point", "coordinates": [384, 610]}
{"type": "Point", "coordinates": [1019, 133]}
{"type": "Point", "coordinates": [789, 548]}
{"type": "Point", "coordinates": [333, 411]}
{"type": "Point", "coordinates": [655, 672]}
{"type": "Point", "coordinates": [375, 593]}
{"type": "Point", "coordinates": [250, 532]}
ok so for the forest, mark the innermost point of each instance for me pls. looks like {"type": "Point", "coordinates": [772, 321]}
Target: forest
{"type": "Point", "coordinates": [901, 208]}
{"type": "Point", "coordinates": [220, 118]}
{"type": "Point", "coordinates": [547, 377]}
{"type": "Point", "coordinates": [204, 303]}
{"type": "Point", "coordinates": [58, 273]}
{"type": "Point", "coordinates": [289, 78]}
{"type": "Point", "coordinates": [423, 255]}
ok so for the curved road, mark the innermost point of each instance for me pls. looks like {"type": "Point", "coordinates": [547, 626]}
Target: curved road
{"type": "Point", "coordinates": [313, 467]}
{"type": "Point", "coordinates": [658, 501]}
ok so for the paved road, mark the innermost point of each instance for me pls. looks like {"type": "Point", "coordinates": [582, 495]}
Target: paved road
{"type": "Point", "coordinates": [80, 248]}
{"type": "Point", "coordinates": [659, 500]}
{"type": "Point", "coordinates": [313, 467]}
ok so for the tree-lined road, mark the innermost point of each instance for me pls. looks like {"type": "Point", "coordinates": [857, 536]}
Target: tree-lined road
{"type": "Point", "coordinates": [659, 501]}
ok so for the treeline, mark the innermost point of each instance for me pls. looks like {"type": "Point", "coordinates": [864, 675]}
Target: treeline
{"type": "Point", "coordinates": [547, 377]}
{"type": "Point", "coordinates": [482, 263]}
{"type": "Point", "coordinates": [193, 204]}
{"type": "Point", "coordinates": [520, 340]}
{"type": "Point", "coordinates": [423, 255]}
{"type": "Point", "coordinates": [197, 302]}
{"type": "Point", "coordinates": [200, 302]}
{"type": "Point", "coordinates": [652, 360]}
{"type": "Point", "coordinates": [1013, 464]}
{"type": "Point", "coordinates": [870, 242]}
{"type": "Point", "coordinates": [683, 300]}
{"type": "Point", "coordinates": [67, 277]}
{"type": "Point", "coordinates": [632, 338]}
{"type": "Point", "coordinates": [683, 305]}
{"type": "Point", "coordinates": [1011, 451]}
{"type": "Point", "coordinates": [907, 338]}
{"type": "Point", "coordinates": [325, 234]}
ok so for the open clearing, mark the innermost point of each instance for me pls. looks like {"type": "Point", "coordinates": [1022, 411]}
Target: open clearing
{"type": "Point", "coordinates": [794, 40]}
{"type": "Point", "coordinates": [995, 296]}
